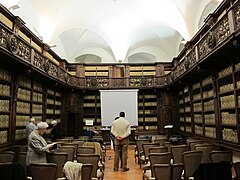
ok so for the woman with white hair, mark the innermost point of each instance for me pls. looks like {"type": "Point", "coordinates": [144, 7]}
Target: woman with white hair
{"type": "Point", "coordinates": [37, 146]}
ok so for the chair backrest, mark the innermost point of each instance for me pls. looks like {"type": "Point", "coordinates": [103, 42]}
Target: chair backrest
{"type": "Point", "coordinates": [167, 172]}
{"type": "Point", "coordinates": [159, 149]}
{"type": "Point", "coordinates": [12, 171]}
{"type": "Point", "coordinates": [139, 143]}
{"type": "Point", "coordinates": [73, 170]}
{"type": "Point", "coordinates": [176, 171]}
{"type": "Point", "coordinates": [87, 171]}
{"type": "Point", "coordinates": [162, 171]}
{"type": "Point", "coordinates": [177, 152]}
{"type": "Point", "coordinates": [191, 161]}
{"type": "Point", "coordinates": [194, 143]}
{"type": "Point", "coordinates": [79, 142]}
{"type": "Point", "coordinates": [44, 171]}
{"type": "Point", "coordinates": [161, 141]}
{"type": "Point", "coordinates": [206, 149]}
{"type": "Point", "coordinates": [237, 170]}
{"type": "Point", "coordinates": [96, 146]}
{"type": "Point", "coordinates": [146, 147]}
{"type": "Point", "coordinates": [86, 150]}
{"type": "Point", "coordinates": [21, 159]}
{"type": "Point", "coordinates": [59, 159]}
{"type": "Point", "coordinates": [63, 140]}
{"type": "Point", "coordinates": [168, 145]}
{"type": "Point", "coordinates": [89, 159]}
{"type": "Point", "coordinates": [218, 156]}
{"type": "Point", "coordinates": [191, 139]}
{"type": "Point", "coordinates": [7, 156]}
{"type": "Point", "coordinates": [159, 158]}
{"type": "Point", "coordinates": [75, 146]}
{"type": "Point", "coordinates": [70, 150]}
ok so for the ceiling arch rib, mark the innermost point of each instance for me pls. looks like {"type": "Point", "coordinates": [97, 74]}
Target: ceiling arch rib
{"type": "Point", "coordinates": [207, 10]}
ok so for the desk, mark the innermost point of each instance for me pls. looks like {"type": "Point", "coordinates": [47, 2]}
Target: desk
{"type": "Point", "coordinates": [106, 135]}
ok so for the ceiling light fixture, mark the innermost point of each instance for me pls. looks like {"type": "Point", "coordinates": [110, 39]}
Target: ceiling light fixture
{"type": "Point", "coordinates": [13, 7]}
{"type": "Point", "coordinates": [52, 45]}
{"type": "Point", "coordinates": [183, 42]}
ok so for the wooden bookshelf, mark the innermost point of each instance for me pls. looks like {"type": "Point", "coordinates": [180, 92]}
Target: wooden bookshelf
{"type": "Point", "coordinates": [96, 71]}
{"type": "Point", "coordinates": [5, 104]}
{"type": "Point", "coordinates": [147, 111]}
{"type": "Point", "coordinates": [91, 108]}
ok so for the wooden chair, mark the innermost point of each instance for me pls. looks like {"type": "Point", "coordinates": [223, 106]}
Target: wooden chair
{"type": "Point", "coordinates": [161, 140]}
{"type": "Point", "coordinates": [176, 171]}
{"type": "Point", "coordinates": [167, 172]}
{"type": "Point", "coordinates": [63, 140]}
{"type": "Point", "coordinates": [206, 149]}
{"type": "Point", "coordinates": [214, 171]}
{"type": "Point", "coordinates": [168, 145]}
{"type": "Point", "coordinates": [156, 158]}
{"type": "Point", "coordinates": [139, 148]}
{"type": "Point", "coordinates": [79, 142]}
{"type": "Point", "coordinates": [218, 156]}
{"type": "Point", "coordinates": [91, 159]}
{"type": "Point", "coordinates": [74, 170]}
{"type": "Point", "coordinates": [159, 149]}
{"type": "Point", "coordinates": [191, 161]}
{"type": "Point", "coordinates": [7, 156]}
{"type": "Point", "coordinates": [70, 150]}
{"type": "Point", "coordinates": [86, 150]}
{"type": "Point", "coordinates": [162, 171]}
{"type": "Point", "coordinates": [44, 171]}
{"type": "Point", "coordinates": [75, 145]}
{"type": "Point", "coordinates": [192, 139]}
{"type": "Point", "coordinates": [237, 170]}
{"type": "Point", "coordinates": [12, 171]}
{"type": "Point", "coordinates": [177, 153]}
{"type": "Point", "coordinates": [21, 159]}
{"type": "Point", "coordinates": [144, 158]}
{"type": "Point", "coordinates": [87, 171]}
{"type": "Point", "coordinates": [195, 143]}
{"type": "Point", "coordinates": [59, 159]}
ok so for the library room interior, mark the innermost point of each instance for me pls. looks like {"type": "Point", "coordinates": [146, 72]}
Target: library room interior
{"type": "Point", "coordinates": [120, 89]}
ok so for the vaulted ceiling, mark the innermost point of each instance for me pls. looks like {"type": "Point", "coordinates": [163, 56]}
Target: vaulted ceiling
{"type": "Point", "coordinates": [114, 30]}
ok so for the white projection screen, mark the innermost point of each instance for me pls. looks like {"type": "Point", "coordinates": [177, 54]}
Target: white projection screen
{"type": "Point", "coordinates": [115, 101]}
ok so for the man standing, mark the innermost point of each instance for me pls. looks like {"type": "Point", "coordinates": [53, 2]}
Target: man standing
{"type": "Point", "coordinates": [121, 130]}
{"type": "Point", "coordinates": [56, 131]}
{"type": "Point", "coordinates": [30, 126]}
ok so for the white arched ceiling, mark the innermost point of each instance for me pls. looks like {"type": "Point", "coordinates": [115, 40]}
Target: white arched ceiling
{"type": "Point", "coordinates": [203, 12]}
{"type": "Point", "coordinates": [88, 58]}
{"type": "Point", "coordinates": [106, 57]}
{"type": "Point", "coordinates": [79, 39]}
{"type": "Point", "coordinates": [142, 58]}
{"type": "Point", "coordinates": [159, 54]}
{"type": "Point", "coordinates": [162, 42]}
{"type": "Point", "coordinates": [117, 22]}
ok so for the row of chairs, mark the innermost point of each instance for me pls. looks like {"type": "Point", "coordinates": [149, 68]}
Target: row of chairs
{"type": "Point", "coordinates": [58, 159]}
{"type": "Point", "coordinates": [66, 152]}
{"type": "Point", "coordinates": [189, 156]}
